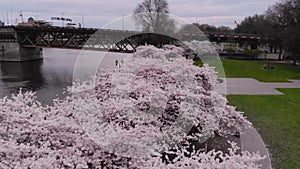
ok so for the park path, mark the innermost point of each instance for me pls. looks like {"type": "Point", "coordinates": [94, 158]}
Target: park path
{"type": "Point", "coordinates": [249, 86]}
{"type": "Point", "coordinates": [251, 140]}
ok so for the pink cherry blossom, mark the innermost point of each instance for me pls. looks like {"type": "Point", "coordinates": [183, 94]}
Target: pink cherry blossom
{"type": "Point", "coordinates": [125, 118]}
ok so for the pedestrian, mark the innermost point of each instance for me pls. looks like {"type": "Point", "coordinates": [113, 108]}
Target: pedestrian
{"type": "Point", "coordinates": [122, 62]}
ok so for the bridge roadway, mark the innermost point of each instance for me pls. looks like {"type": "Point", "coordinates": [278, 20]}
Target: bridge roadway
{"type": "Point", "coordinates": [103, 39]}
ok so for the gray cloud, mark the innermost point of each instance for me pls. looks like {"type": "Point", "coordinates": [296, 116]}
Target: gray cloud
{"type": "Point", "coordinates": [97, 13]}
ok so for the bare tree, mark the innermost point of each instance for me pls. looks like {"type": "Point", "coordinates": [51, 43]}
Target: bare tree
{"type": "Point", "coordinates": [152, 16]}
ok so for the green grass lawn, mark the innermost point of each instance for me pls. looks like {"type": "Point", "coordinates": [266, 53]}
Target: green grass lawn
{"type": "Point", "coordinates": [277, 119]}
{"type": "Point", "coordinates": [253, 69]}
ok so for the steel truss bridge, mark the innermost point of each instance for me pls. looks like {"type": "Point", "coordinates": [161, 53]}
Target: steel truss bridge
{"type": "Point", "coordinates": [104, 39]}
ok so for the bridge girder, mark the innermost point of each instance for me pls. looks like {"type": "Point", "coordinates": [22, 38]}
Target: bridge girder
{"type": "Point", "coordinates": [104, 39]}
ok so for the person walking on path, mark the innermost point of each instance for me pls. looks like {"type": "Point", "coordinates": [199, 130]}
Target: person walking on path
{"type": "Point", "coordinates": [117, 63]}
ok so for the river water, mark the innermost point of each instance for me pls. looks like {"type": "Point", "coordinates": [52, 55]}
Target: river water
{"type": "Point", "coordinates": [48, 77]}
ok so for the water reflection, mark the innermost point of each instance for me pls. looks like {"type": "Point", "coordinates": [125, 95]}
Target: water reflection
{"type": "Point", "coordinates": [27, 75]}
{"type": "Point", "coordinates": [48, 77]}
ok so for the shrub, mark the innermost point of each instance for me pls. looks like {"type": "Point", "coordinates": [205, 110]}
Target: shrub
{"type": "Point", "coordinates": [229, 50]}
{"type": "Point", "coordinates": [251, 52]}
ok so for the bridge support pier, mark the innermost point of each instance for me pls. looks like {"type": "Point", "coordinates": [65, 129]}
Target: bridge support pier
{"type": "Point", "coordinates": [13, 52]}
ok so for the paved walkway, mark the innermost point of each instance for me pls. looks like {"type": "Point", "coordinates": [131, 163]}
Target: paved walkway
{"type": "Point", "coordinates": [248, 86]}
{"type": "Point", "coordinates": [251, 140]}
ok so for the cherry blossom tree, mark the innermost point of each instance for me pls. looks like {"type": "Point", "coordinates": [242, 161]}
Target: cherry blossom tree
{"type": "Point", "coordinates": [142, 115]}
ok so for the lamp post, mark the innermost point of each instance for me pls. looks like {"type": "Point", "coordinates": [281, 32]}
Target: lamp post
{"type": "Point", "coordinates": [62, 19]}
{"type": "Point", "coordinates": [82, 20]}
{"type": "Point", "coordinates": [7, 20]}
{"type": "Point", "coordinates": [123, 26]}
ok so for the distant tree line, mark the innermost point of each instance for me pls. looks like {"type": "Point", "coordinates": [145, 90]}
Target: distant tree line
{"type": "Point", "coordinates": [280, 22]}
{"type": "Point", "coordinates": [212, 28]}
{"type": "Point", "coordinates": [206, 28]}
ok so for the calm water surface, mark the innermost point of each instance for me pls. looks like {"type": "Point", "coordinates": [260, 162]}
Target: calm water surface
{"type": "Point", "coordinates": [48, 77]}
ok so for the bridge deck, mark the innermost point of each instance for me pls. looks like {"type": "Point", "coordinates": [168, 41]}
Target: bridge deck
{"type": "Point", "coordinates": [98, 39]}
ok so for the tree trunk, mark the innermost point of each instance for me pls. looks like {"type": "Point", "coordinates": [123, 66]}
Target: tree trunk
{"type": "Point", "coordinates": [271, 48]}
{"type": "Point", "coordinates": [295, 58]}
{"type": "Point", "coordinates": [280, 54]}
{"type": "Point", "coordinates": [265, 55]}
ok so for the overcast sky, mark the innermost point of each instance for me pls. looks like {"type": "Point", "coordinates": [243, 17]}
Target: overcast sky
{"type": "Point", "coordinates": [97, 13]}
